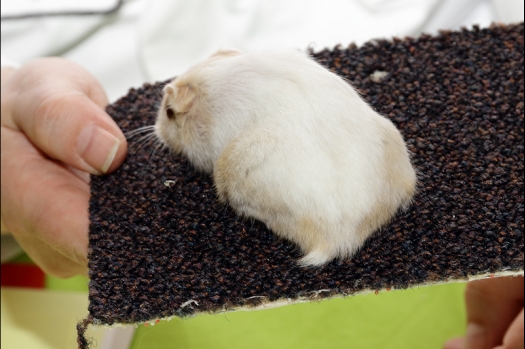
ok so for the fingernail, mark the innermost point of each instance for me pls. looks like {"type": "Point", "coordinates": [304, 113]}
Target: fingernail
{"type": "Point", "coordinates": [476, 337]}
{"type": "Point", "coordinates": [97, 147]}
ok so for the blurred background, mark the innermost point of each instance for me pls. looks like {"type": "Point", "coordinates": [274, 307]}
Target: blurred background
{"type": "Point", "coordinates": [139, 40]}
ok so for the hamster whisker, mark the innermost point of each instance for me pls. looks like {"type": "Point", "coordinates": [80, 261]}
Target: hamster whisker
{"type": "Point", "coordinates": [143, 141]}
{"type": "Point", "coordinates": [171, 153]}
{"type": "Point", "coordinates": [136, 132]}
{"type": "Point", "coordinates": [149, 142]}
{"type": "Point", "coordinates": [155, 149]}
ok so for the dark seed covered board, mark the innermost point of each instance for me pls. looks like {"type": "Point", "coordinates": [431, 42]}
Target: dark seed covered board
{"type": "Point", "coordinates": [161, 245]}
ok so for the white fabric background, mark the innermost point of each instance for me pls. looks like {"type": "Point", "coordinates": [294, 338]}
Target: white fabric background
{"type": "Point", "coordinates": [151, 40]}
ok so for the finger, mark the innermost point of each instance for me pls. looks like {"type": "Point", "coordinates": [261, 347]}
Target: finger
{"type": "Point", "coordinates": [43, 202]}
{"type": "Point", "coordinates": [71, 128]}
{"type": "Point", "coordinates": [50, 261]}
{"type": "Point", "coordinates": [455, 343]}
{"type": "Point", "coordinates": [513, 338]}
{"type": "Point", "coordinates": [63, 117]}
{"type": "Point", "coordinates": [492, 304]}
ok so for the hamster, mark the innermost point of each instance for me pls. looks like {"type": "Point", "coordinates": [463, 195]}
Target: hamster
{"type": "Point", "coordinates": [291, 144]}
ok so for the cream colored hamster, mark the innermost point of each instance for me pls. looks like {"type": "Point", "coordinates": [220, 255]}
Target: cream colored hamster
{"type": "Point", "coordinates": [291, 144]}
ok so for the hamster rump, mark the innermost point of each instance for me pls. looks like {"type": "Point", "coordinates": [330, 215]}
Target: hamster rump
{"type": "Point", "coordinates": [291, 144]}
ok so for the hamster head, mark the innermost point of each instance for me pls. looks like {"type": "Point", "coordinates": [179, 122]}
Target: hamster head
{"type": "Point", "coordinates": [184, 121]}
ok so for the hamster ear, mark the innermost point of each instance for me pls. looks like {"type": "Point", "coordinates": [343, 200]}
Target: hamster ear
{"type": "Point", "coordinates": [226, 53]}
{"type": "Point", "coordinates": [168, 89]}
{"type": "Point", "coordinates": [184, 98]}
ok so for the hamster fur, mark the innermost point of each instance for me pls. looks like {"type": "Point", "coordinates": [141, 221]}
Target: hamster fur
{"type": "Point", "coordinates": [291, 144]}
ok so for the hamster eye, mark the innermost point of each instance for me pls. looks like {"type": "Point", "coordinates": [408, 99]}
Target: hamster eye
{"type": "Point", "coordinates": [170, 113]}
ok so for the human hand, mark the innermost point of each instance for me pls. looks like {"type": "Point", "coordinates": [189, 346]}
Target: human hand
{"type": "Point", "coordinates": [54, 134]}
{"type": "Point", "coordinates": [494, 315]}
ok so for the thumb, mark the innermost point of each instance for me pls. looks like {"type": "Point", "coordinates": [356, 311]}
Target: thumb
{"type": "Point", "coordinates": [73, 129]}
{"type": "Point", "coordinates": [61, 113]}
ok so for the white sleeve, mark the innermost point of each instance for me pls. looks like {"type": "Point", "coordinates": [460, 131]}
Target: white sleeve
{"type": "Point", "coordinates": [6, 62]}
{"type": "Point", "coordinates": [26, 38]}
{"type": "Point", "coordinates": [103, 44]}
{"type": "Point", "coordinates": [175, 34]}
{"type": "Point", "coordinates": [508, 11]}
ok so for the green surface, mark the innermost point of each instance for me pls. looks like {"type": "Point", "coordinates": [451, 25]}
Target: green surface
{"type": "Point", "coordinates": [75, 283]}
{"type": "Point", "coordinates": [422, 318]}
{"type": "Point", "coordinates": [21, 258]}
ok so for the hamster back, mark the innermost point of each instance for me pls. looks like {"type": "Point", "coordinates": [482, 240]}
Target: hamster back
{"type": "Point", "coordinates": [291, 144]}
